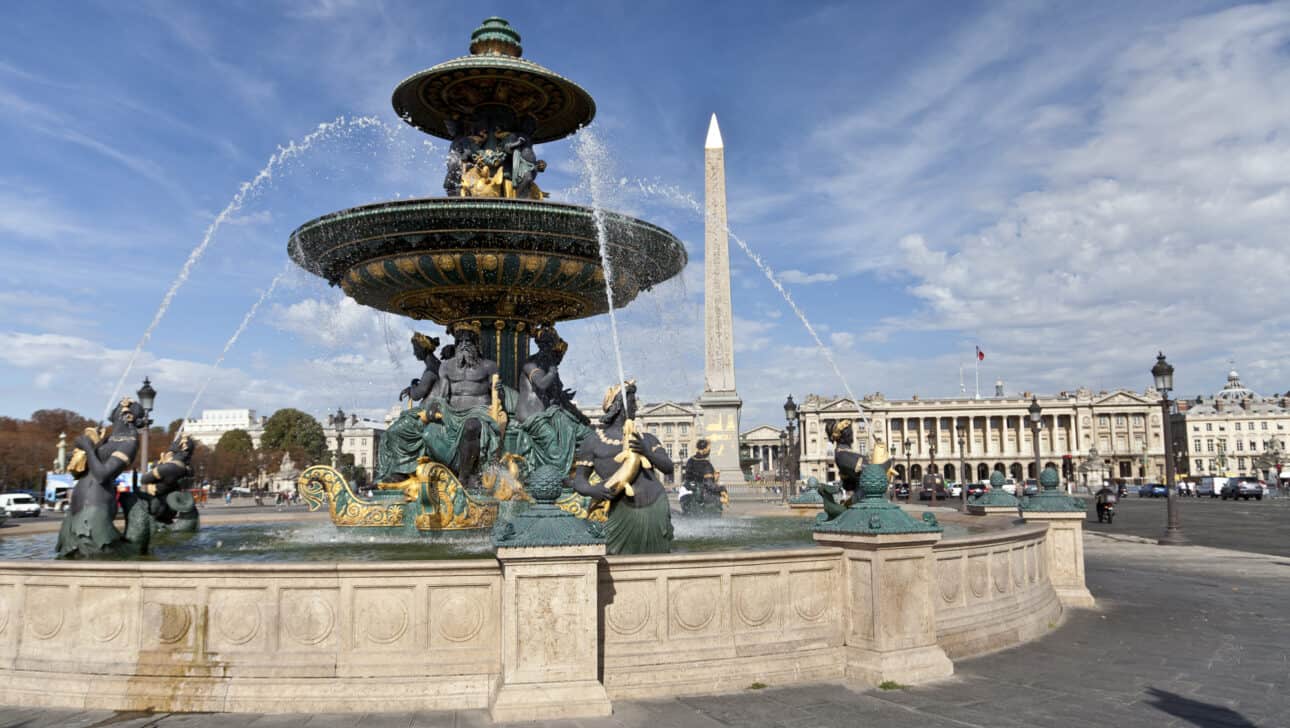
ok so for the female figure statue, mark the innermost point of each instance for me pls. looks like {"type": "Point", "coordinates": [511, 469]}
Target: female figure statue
{"type": "Point", "coordinates": [625, 463]}
{"type": "Point", "coordinates": [88, 531]}
{"type": "Point", "coordinates": [402, 444]}
{"type": "Point", "coordinates": [707, 496]}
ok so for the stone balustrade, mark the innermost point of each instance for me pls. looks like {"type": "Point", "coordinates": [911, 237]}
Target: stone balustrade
{"type": "Point", "coordinates": [432, 635]}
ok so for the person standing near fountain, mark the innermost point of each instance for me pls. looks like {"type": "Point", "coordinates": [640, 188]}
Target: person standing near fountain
{"type": "Point", "coordinates": [639, 520]}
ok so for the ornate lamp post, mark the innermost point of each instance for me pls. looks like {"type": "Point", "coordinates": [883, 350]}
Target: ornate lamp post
{"type": "Point", "coordinates": [147, 398]}
{"type": "Point", "coordinates": [1035, 415]}
{"type": "Point", "coordinates": [338, 421]}
{"type": "Point", "coordinates": [962, 468]}
{"type": "Point", "coordinates": [790, 417]}
{"type": "Point", "coordinates": [908, 456]}
{"type": "Point", "coordinates": [931, 449]}
{"type": "Point", "coordinates": [1163, 372]}
{"type": "Point", "coordinates": [783, 455]}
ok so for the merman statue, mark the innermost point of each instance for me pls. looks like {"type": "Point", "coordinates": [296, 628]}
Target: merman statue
{"type": "Point", "coordinates": [850, 464]}
{"type": "Point", "coordinates": [87, 531]}
{"type": "Point", "coordinates": [169, 504]}
{"type": "Point", "coordinates": [626, 464]}
{"type": "Point", "coordinates": [704, 493]}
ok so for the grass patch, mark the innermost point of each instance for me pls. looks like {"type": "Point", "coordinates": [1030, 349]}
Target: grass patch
{"type": "Point", "coordinates": [757, 686]}
{"type": "Point", "coordinates": [890, 685]}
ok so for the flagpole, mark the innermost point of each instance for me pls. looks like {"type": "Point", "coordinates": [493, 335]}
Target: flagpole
{"type": "Point", "coordinates": [977, 366]}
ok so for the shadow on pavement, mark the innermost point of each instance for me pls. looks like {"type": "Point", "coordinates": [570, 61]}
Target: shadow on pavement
{"type": "Point", "coordinates": [1194, 711]}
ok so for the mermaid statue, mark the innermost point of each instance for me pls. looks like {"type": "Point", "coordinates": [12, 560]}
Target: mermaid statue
{"type": "Point", "coordinates": [625, 463]}
{"type": "Point", "coordinates": [88, 531]}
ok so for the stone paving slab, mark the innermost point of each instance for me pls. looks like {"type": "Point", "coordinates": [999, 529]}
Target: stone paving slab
{"type": "Point", "coordinates": [1182, 637]}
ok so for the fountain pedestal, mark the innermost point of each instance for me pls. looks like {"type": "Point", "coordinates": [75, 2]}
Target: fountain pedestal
{"type": "Point", "coordinates": [549, 634]}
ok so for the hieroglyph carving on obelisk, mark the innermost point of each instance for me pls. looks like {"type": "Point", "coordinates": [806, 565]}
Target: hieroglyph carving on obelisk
{"type": "Point", "coordinates": [719, 402]}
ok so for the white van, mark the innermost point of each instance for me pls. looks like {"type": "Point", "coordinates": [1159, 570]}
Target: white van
{"type": "Point", "coordinates": [1211, 487]}
{"type": "Point", "coordinates": [19, 504]}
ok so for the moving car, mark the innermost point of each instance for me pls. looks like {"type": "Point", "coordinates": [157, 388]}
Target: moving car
{"type": "Point", "coordinates": [925, 491]}
{"type": "Point", "coordinates": [1031, 487]}
{"type": "Point", "coordinates": [901, 490]}
{"type": "Point", "coordinates": [1243, 488]}
{"type": "Point", "coordinates": [956, 490]}
{"type": "Point", "coordinates": [975, 489]}
{"type": "Point", "coordinates": [1211, 487]}
{"type": "Point", "coordinates": [20, 504]}
{"type": "Point", "coordinates": [1153, 490]}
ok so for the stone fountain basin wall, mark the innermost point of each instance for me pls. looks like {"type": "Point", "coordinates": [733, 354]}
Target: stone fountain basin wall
{"type": "Point", "coordinates": [356, 637]}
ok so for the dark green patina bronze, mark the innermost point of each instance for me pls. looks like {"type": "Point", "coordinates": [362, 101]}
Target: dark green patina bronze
{"type": "Point", "coordinates": [544, 523]}
{"type": "Point", "coordinates": [996, 496]}
{"type": "Point", "coordinates": [1050, 499]}
{"type": "Point", "coordinates": [873, 515]}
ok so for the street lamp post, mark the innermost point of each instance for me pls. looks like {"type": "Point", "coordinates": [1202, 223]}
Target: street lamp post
{"type": "Point", "coordinates": [908, 457]}
{"type": "Point", "coordinates": [931, 449]}
{"type": "Point", "coordinates": [147, 398]}
{"type": "Point", "coordinates": [338, 421]}
{"type": "Point", "coordinates": [1163, 373]}
{"type": "Point", "coordinates": [783, 461]}
{"type": "Point", "coordinates": [791, 454]}
{"type": "Point", "coordinates": [1035, 414]}
{"type": "Point", "coordinates": [962, 469]}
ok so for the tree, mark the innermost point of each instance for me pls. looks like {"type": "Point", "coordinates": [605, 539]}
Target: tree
{"type": "Point", "coordinates": [234, 456]}
{"type": "Point", "coordinates": [28, 447]}
{"type": "Point", "coordinates": [298, 434]}
{"type": "Point", "coordinates": [173, 427]}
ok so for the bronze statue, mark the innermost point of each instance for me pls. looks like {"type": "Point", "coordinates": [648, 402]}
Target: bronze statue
{"type": "Point", "coordinates": [849, 464]}
{"type": "Point", "coordinates": [703, 494]}
{"type": "Point", "coordinates": [169, 504]}
{"type": "Point", "coordinates": [624, 463]}
{"type": "Point", "coordinates": [88, 530]}
{"type": "Point", "coordinates": [423, 348]}
{"type": "Point", "coordinates": [540, 384]}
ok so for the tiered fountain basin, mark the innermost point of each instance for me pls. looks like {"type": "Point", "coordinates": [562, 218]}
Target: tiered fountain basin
{"type": "Point", "coordinates": [448, 259]}
{"type": "Point", "coordinates": [355, 636]}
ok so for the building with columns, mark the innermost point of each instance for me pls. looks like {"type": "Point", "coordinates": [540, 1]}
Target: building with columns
{"type": "Point", "coordinates": [677, 425]}
{"type": "Point", "coordinates": [1232, 432]}
{"type": "Point", "coordinates": [762, 452]}
{"type": "Point", "coordinates": [1121, 429]}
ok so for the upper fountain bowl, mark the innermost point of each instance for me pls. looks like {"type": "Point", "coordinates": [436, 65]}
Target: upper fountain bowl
{"type": "Point", "coordinates": [493, 75]}
{"type": "Point", "coordinates": [453, 258]}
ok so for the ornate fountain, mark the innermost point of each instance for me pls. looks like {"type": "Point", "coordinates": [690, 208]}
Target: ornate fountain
{"type": "Point", "coordinates": [493, 261]}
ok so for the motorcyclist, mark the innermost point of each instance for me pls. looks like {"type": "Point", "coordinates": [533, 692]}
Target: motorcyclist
{"type": "Point", "coordinates": [1105, 497]}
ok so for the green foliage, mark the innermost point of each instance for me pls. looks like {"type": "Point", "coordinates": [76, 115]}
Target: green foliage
{"type": "Point", "coordinates": [235, 441]}
{"type": "Point", "coordinates": [296, 432]}
{"type": "Point", "coordinates": [757, 686]}
{"type": "Point", "coordinates": [890, 685]}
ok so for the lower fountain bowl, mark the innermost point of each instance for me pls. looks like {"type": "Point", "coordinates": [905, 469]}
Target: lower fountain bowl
{"type": "Point", "coordinates": [453, 258]}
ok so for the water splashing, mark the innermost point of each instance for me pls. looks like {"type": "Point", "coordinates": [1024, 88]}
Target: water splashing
{"type": "Point", "coordinates": [237, 333]}
{"type": "Point", "coordinates": [282, 155]}
{"type": "Point", "coordinates": [674, 194]}
{"type": "Point", "coordinates": [594, 157]}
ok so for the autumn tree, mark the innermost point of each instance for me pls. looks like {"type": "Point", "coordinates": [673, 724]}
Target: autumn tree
{"type": "Point", "coordinates": [296, 433]}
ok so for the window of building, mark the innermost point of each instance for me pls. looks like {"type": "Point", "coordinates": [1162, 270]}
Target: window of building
{"type": "Point", "coordinates": [1200, 464]}
{"type": "Point", "coordinates": [1209, 446]}
{"type": "Point", "coordinates": [667, 429]}
{"type": "Point", "coordinates": [1240, 462]}
{"type": "Point", "coordinates": [1240, 445]}
{"type": "Point", "coordinates": [1263, 425]}
{"type": "Point", "coordinates": [1138, 420]}
{"type": "Point", "coordinates": [1120, 420]}
{"type": "Point", "coordinates": [685, 452]}
{"type": "Point", "coordinates": [1196, 444]}
{"type": "Point", "coordinates": [1103, 420]}
{"type": "Point", "coordinates": [685, 429]}
{"type": "Point", "coordinates": [1254, 445]}
{"type": "Point", "coordinates": [1195, 428]}
{"type": "Point", "coordinates": [1238, 427]}
{"type": "Point", "coordinates": [1209, 427]}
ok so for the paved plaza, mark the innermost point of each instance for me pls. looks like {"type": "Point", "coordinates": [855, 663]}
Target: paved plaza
{"type": "Point", "coordinates": [1190, 636]}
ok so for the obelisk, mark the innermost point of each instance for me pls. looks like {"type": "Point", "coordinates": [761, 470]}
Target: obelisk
{"type": "Point", "coordinates": [719, 402]}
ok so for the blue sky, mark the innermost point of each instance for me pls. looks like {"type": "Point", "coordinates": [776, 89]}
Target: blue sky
{"type": "Point", "coordinates": [1070, 186]}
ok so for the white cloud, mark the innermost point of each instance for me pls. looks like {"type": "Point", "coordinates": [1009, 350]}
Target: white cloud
{"type": "Point", "coordinates": [798, 277]}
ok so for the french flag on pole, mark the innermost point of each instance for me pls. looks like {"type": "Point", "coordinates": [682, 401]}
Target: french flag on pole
{"type": "Point", "coordinates": [980, 355]}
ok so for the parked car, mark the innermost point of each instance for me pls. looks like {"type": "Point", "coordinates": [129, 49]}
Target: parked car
{"type": "Point", "coordinates": [975, 489]}
{"type": "Point", "coordinates": [1010, 486]}
{"type": "Point", "coordinates": [1243, 488]}
{"type": "Point", "coordinates": [1031, 487]}
{"type": "Point", "coordinates": [956, 490]}
{"type": "Point", "coordinates": [20, 504]}
{"type": "Point", "coordinates": [901, 490]}
{"type": "Point", "coordinates": [925, 491]}
{"type": "Point", "coordinates": [4, 516]}
{"type": "Point", "coordinates": [1211, 487]}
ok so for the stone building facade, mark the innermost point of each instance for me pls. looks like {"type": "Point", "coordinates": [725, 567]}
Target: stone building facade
{"type": "Point", "coordinates": [1234, 432]}
{"type": "Point", "coordinates": [213, 423]}
{"type": "Point", "coordinates": [1122, 427]}
{"type": "Point", "coordinates": [677, 425]}
{"type": "Point", "coordinates": [762, 453]}
{"type": "Point", "coordinates": [361, 437]}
